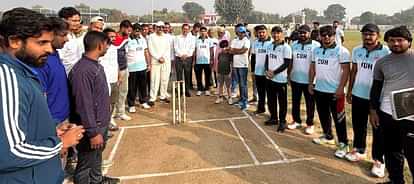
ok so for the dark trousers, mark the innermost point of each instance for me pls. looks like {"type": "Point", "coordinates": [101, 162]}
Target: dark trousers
{"type": "Point", "coordinates": [277, 94]}
{"type": "Point", "coordinates": [329, 107]}
{"type": "Point", "coordinates": [137, 82]}
{"type": "Point", "coordinates": [184, 67]}
{"type": "Point", "coordinates": [399, 142]}
{"type": "Point", "coordinates": [261, 82]}
{"type": "Point", "coordinates": [199, 70]}
{"type": "Point", "coordinates": [297, 91]}
{"type": "Point", "coordinates": [89, 167]}
{"type": "Point", "coordinates": [360, 112]}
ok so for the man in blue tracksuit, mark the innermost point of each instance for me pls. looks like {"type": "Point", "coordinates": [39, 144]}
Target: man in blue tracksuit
{"type": "Point", "coordinates": [30, 143]}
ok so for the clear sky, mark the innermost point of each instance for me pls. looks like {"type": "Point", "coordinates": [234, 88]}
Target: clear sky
{"type": "Point", "coordinates": [140, 7]}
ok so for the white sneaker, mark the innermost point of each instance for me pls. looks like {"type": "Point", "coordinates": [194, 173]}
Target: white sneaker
{"type": "Point", "coordinates": [219, 100]}
{"type": "Point", "coordinates": [322, 141]}
{"type": "Point", "coordinates": [233, 95]}
{"type": "Point", "coordinates": [113, 121]}
{"type": "Point", "coordinates": [132, 109]}
{"type": "Point", "coordinates": [106, 163]}
{"type": "Point", "coordinates": [355, 156]}
{"type": "Point", "coordinates": [207, 93]}
{"type": "Point", "coordinates": [310, 130]}
{"type": "Point", "coordinates": [145, 106]}
{"type": "Point", "coordinates": [294, 125]}
{"type": "Point", "coordinates": [342, 150]}
{"type": "Point", "coordinates": [198, 93]}
{"type": "Point", "coordinates": [124, 117]}
{"type": "Point", "coordinates": [230, 101]}
{"type": "Point", "coordinates": [378, 169]}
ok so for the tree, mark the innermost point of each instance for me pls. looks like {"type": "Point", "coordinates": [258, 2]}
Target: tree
{"type": "Point", "coordinates": [311, 15]}
{"type": "Point", "coordinates": [234, 11]}
{"type": "Point", "coordinates": [367, 17]}
{"type": "Point", "coordinates": [193, 10]}
{"type": "Point", "coordinates": [335, 12]}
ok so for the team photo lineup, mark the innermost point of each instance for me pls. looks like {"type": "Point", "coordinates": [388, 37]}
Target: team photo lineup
{"type": "Point", "coordinates": [65, 84]}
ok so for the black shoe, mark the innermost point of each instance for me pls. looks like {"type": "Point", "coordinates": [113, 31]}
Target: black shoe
{"type": "Point", "coordinates": [150, 103]}
{"type": "Point", "coordinates": [109, 135]}
{"type": "Point", "coordinates": [113, 128]}
{"type": "Point", "coordinates": [259, 112]}
{"type": "Point", "coordinates": [187, 94]}
{"type": "Point", "coordinates": [387, 182]}
{"type": "Point", "coordinates": [281, 127]}
{"type": "Point", "coordinates": [270, 122]}
{"type": "Point", "coordinates": [165, 100]}
{"type": "Point", "coordinates": [109, 180]}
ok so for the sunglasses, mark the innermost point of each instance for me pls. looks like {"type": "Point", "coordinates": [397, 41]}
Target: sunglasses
{"type": "Point", "coordinates": [326, 34]}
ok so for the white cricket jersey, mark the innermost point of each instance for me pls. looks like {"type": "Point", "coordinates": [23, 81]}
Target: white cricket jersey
{"type": "Point", "coordinates": [301, 60]}
{"type": "Point", "coordinates": [277, 55]}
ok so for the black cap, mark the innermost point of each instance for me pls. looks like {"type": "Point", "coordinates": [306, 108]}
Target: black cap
{"type": "Point", "coordinates": [304, 28]}
{"type": "Point", "coordinates": [277, 29]}
{"type": "Point", "coordinates": [370, 28]}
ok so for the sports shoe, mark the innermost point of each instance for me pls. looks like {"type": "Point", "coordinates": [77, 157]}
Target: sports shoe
{"type": "Point", "coordinates": [219, 100]}
{"type": "Point", "coordinates": [355, 156]}
{"type": "Point", "coordinates": [378, 169]}
{"type": "Point", "coordinates": [282, 127]}
{"type": "Point", "coordinates": [230, 101]}
{"type": "Point", "coordinates": [310, 130]}
{"type": "Point", "coordinates": [198, 93]}
{"type": "Point", "coordinates": [323, 140]}
{"type": "Point", "coordinates": [110, 180]}
{"type": "Point", "coordinates": [294, 125]}
{"type": "Point", "coordinates": [342, 150]}
{"type": "Point", "coordinates": [207, 93]}
{"type": "Point", "coordinates": [165, 100]}
{"type": "Point", "coordinates": [132, 109]}
{"type": "Point", "coordinates": [106, 163]}
{"type": "Point", "coordinates": [124, 117]}
{"type": "Point", "coordinates": [145, 106]}
{"type": "Point", "coordinates": [151, 103]}
{"type": "Point", "coordinates": [233, 95]}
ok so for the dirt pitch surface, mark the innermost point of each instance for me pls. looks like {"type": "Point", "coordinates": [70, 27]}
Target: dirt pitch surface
{"type": "Point", "coordinates": [221, 144]}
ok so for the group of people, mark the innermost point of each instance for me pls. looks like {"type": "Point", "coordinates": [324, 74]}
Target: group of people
{"type": "Point", "coordinates": [62, 87]}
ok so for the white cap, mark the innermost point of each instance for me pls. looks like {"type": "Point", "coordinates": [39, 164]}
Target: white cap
{"type": "Point", "coordinates": [97, 19]}
{"type": "Point", "coordinates": [159, 24]}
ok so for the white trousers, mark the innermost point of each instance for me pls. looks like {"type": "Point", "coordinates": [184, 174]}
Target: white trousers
{"type": "Point", "coordinates": [160, 76]}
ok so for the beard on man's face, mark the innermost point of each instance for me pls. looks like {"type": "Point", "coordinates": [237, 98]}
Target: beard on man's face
{"type": "Point", "coordinates": [30, 59]}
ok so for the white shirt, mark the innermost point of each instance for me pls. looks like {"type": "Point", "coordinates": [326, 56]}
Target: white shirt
{"type": "Point", "coordinates": [338, 34]}
{"type": "Point", "coordinates": [241, 60]}
{"type": "Point", "coordinates": [277, 55]}
{"type": "Point", "coordinates": [171, 38]}
{"type": "Point", "coordinates": [203, 51]}
{"type": "Point", "coordinates": [110, 64]}
{"type": "Point", "coordinates": [71, 52]}
{"type": "Point", "coordinates": [328, 67]}
{"type": "Point", "coordinates": [159, 46]}
{"type": "Point", "coordinates": [184, 45]}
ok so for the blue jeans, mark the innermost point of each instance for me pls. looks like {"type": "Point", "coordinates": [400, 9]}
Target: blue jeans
{"type": "Point", "coordinates": [241, 77]}
{"type": "Point", "coordinates": [234, 81]}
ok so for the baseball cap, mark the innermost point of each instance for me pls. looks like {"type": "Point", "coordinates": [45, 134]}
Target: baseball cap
{"type": "Point", "coordinates": [242, 29]}
{"type": "Point", "coordinates": [304, 28]}
{"type": "Point", "coordinates": [97, 19]}
{"type": "Point", "coordinates": [277, 29]}
{"type": "Point", "coordinates": [370, 28]}
{"type": "Point", "coordinates": [159, 24]}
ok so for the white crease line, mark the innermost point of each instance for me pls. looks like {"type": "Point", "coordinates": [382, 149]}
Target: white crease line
{"type": "Point", "coordinates": [146, 126]}
{"type": "Point", "coordinates": [267, 136]}
{"type": "Point", "coordinates": [256, 162]}
{"type": "Point", "coordinates": [287, 161]}
{"type": "Point", "coordinates": [114, 149]}
{"type": "Point", "coordinates": [141, 176]}
{"type": "Point", "coordinates": [219, 119]}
